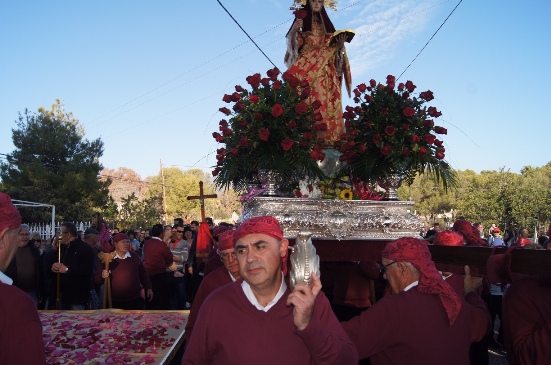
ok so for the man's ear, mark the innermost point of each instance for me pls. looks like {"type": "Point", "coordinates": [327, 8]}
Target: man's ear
{"type": "Point", "coordinates": [283, 247]}
{"type": "Point", "coordinates": [2, 235]}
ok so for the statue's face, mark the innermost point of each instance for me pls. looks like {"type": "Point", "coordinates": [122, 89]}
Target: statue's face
{"type": "Point", "coordinates": [316, 5]}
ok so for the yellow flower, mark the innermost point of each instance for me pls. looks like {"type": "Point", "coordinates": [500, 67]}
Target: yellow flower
{"type": "Point", "coordinates": [346, 194]}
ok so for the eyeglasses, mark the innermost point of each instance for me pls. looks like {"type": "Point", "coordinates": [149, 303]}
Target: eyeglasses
{"type": "Point", "coordinates": [226, 255]}
{"type": "Point", "coordinates": [384, 267]}
{"type": "Point", "coordinates": [180, 231]}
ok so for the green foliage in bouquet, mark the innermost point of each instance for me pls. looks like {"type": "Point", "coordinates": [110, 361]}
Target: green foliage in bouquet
{"type": "Point", "coordinates": [390, 131]}
{"type": "Point", "coordinates": [270, 127]}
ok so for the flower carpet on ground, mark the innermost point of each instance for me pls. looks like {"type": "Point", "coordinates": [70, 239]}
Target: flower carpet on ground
{"type": "Point", "coordinates": [110, 337]}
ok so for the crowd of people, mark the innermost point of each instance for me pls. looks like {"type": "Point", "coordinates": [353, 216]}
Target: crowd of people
{"type": "Point", "coordinates": [244, 284]}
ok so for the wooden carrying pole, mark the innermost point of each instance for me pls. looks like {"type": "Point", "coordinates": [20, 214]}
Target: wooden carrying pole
{"type": "Point", "coordinates": [58, 288]}
{"type": "Point", "coordinates": [106, 258]}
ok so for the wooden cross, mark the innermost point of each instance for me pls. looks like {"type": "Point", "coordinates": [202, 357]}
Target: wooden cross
{"type": "Point", "coordinates": [202, 198]}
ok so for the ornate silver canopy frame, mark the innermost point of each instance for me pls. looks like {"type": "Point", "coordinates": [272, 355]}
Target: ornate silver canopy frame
{"type": "Point", "coordinates": [336, 219]}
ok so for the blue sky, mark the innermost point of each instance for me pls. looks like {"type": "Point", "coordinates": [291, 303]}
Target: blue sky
{"type": "Point", "coordinates": [148, 77]}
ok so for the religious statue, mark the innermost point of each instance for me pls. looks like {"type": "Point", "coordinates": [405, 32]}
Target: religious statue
{"type": "Point", "coordinates": [316, 53]}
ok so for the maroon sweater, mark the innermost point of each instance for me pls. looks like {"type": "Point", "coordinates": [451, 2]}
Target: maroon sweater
{"type": "Point", "coordinates": [157, 256]}
{"type": "Point", "coordinates": [210, 283]}
{"type": "Point", "coordinates": [230, 330]}
{"type": "Point", "coordinates": [127, 278]}
{"type": "Point", "coordinates": [413, 328]}
{"type": "Point", "coordinates": [20, 328]}
{"type": "Point", "coordinates": [527, 321]}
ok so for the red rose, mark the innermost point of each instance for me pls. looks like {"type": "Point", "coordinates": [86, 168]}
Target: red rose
{"type": "Point", "coordinates": [221, 151]}
{"type": "Point", "coordinates": [386, 150]}
{"type": "Point", "coordinates": [239, 106]}
{"type": "Point", "coordinates": [316, 104]}
{"type": "Point", "coordinates": [439, 155]}
{"type": "Point", "coordinates": [277, 85]}
{"type": "Point", "coordinates": [243, 123]}
{"type": "Point", "coordinates": [409, 111]}
{"type": "Point", "coordinates": [362, 87]}
{"type": "Point", "coordinates": [258, 116]}
{"type": "Point", "coordinates": [438, 142]}
{"type": "Point", "coordinates": [227, 132]}
{"type": "Point", "coordinates": [303, 144]}
{"type": "Point", "coordinates": [277, 110]}
{"type": "Point", "coordinates": [401, 86]}
{"type": "Point", "coordinates": [423, 151]}
{"type": "Point", "coordinates": [244, 142]}
{"type": "Point", "coordinates": [372, 82]}
{"type": "Point", "coordinates": [410, 86]}
{"type": "Point", "coordinates": [292, 124]}
{"type": "Point", "coordinates": [377, 139]}
{"type": "Point", "coordinates": [440, 130]}
{"type": "Point", "coordinates": [358, 110]}
{"type": "Point", "coordinates": [265, 81]}
{"type": "Point", "coordinates": [357, 93]}
{"type": "Point", "coordinates": [223, 123]}
{"type": "Point", "coordinates": [428, 123]}
{"type": "Point", "coordinates": [293, 81]}
{"type": "Point", "coordinates": [225, 111]}
{"type": "Point", "coordinates": [301, 108]}
{"type": "Point", "coordinates": [441, 149]}
{"type": "Point", "coordinates": [254, 99]}
{"type": "Point", "coordinates": [405, 95]}
{"type": "Point", "coordinates": [433, 112]}
{"type": "Point", "coordinates": [405, 151]}
{"type": "Point", "coordinates": [318, 117]}
{"type": "Point", "coordinates": [305, 93]}
{"type": "Point", "coordinates": [430, 138]}
{"type": "Point", "coordinates": [415, 139]}
{"type": "Point", "coordinates": [307, 136]}
{"type": "Point", "coordinates": [426, 95]}
{"type": "Point", "coordinates": [254, 80]}
{"type": "Point", "coordinates": [272, 73]}
{"type": "Point", "coordinates": [238, 88]}
{"type": "Point", "coordinates": [362, 148]}
{"type": "Point", "coordinates": [390, 80]}
{"type": "Point", "coordinates": [227, 98]}
{"type": "Point", "coordinates": [304, 83]}
{"type": "Point", "coordinates": [235, 97]}
{"type": "Point", "coordinates": [405, 127]}
{"type": "Point", "coordinates": [389, 130]}
{"type": "Point", "coordinates": [287, 144]}
{"type": "Point", "coordinates": [218, 137]}
{"type": "Point", "coordinates": [264, 134]}
{"type": "Point", "coordinates": [368, 98]}
{"type": "Point", "coordinates": [216, 171]}
{"type": "Point", "coordinates": [353, 132]}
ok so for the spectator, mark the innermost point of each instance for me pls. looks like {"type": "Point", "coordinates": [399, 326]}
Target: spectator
{"type": "Point", "coordinates": [127, 275]}
{"type": "Point", "coordinates": [75, 268]}
{"type": "Point", "coordinates": [21, 339]}
{"type": "Point", "coordinates": [26, 267]}
{"type": "Point", "coordinates": [157, 257]}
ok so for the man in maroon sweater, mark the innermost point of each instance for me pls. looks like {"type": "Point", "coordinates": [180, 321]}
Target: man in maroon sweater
{"type": "Point", "coordinates": [20, 328]}
{"type": "Point", "coordinates": [425, 321]}
{"type": "Point", "coordinates": [128, 276]}
{"type": "Point", "coordinates": [258, 320]}
{"type": "Point", "coordinates": [221, 276]}
{"type": "Point", "coordinates": [157, 257]}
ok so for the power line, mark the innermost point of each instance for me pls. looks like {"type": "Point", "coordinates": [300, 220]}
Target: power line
{"type": "Point", "coordinates": [247, 34]}
{"type": "Point", "coordinates": [426, 44]}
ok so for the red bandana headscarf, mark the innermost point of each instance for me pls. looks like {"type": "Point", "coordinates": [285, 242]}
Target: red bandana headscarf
{"type": "Point", "coordinates": [448, 238]}
{"type": "Point", "coordinates": [266, 225]}
{"type": "Point", "coordinates": [9, 215]}
{"type": "Point", "coordinates": [469, 232]}
{"type": "Point", "coordinates": [225, 241]}
{"type": "Point", "coordinates": [414, 251]}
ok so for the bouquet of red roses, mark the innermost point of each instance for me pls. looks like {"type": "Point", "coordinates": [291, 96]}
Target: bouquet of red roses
{"type": "Point", "coordinates": [390, 131]}
{"type": "Point", "coordinates": [270, 127]}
